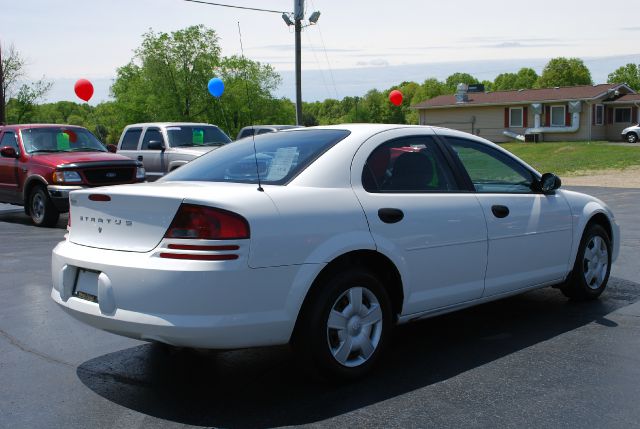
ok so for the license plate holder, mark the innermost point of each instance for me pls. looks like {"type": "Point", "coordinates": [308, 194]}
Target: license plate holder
{"type": "Point", "coordinates": [86, 285]}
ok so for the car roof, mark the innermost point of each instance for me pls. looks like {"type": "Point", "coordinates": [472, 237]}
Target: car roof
{"type": "Point", "coordinates": [168, 124]}
{"type": "Point", "coordinates": [23, 126]}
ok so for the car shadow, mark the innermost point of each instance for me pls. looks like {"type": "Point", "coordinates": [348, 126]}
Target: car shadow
{"type": "Point", "coordinates": [266, 387]}
{"type": "Point", "coordinates": [20, 218]}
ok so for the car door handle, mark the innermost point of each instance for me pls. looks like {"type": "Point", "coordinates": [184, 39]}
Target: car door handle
{"type": "Point", "coordinates": [500, 211]}
{"type": "Point", "coordinates": [139, 157]}
{"type": "Point", "coordinates": [389, 215]}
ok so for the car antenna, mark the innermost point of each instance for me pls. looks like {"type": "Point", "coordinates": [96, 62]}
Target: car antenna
{"type": "Point", "coordinates": [253, 134]}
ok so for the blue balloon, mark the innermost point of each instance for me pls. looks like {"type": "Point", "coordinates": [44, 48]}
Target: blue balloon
{"type": "Point", "coordinates": [216, 87]}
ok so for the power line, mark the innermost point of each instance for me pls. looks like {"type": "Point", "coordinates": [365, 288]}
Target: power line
{"type": "Point", "coordinates": [236, 7]}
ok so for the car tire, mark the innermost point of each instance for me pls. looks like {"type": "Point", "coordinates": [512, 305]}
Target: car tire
{"type": "Point", "coordinates": [347, 326]}
{"type": "Point", "coordinates": [41, 208]}
{"type": "Point", "coordinates": [632, 137]}
{"type": "Point", "coordinates": [592, 267]}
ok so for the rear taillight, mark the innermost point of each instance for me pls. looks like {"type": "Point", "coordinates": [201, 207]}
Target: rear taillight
{"type": "Point", "coordinates": [205, 223]}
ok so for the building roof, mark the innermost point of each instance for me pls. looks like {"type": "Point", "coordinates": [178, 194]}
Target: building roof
{"type": "Point", "coordinates": [522, 96]}
{"type": "Point", "coordinates": [628, 98]}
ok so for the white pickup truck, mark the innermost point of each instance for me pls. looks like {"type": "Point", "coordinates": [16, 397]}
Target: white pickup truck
{"type": "Point", "coordinates": [165, 146]}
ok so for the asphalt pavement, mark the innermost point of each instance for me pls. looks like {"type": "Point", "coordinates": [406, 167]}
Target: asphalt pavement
{"type": "Point", "coordinates": [535, 360]}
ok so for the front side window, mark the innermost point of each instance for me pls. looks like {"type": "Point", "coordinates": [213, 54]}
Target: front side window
{"type": "Point", "coordinates": [130, 139]}
{"type": "Point", "coordinates": [60, 139]}
{"type": "Point", "coordinates": [9, 139]}
{"type": "Point", "coordinates": [623, 114]}
{"type": "Point", "coordinates": [491, 171]}
{"type": "Point", "coordinates": [410, 164]}
{"type": "Point", "coordinates": [277, 158]}
{"type": "Point", "coordinates": [196, 135]}
{"type": "Point", "coordinates": [515, 117]}
{"type": "Point", "coordinates": [558, 116]}
{"type": "Point", "coordinates": [152, 134]}
{"type": "Point", "coordinates": [599, 114]}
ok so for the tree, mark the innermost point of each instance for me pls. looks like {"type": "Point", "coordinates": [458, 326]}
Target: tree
{"type": "Point", "coordinates": [629, 74]}
{"type": "Point", "coordinates": [525, 79]}
{"type": "Point", "coordinates": [564, 72]}
{"type": "Point", "coordinates": [167, 81]}
{"type": "Point", "coordinates": [23, 106]}
{"type": "Point", "coordinates": [12, 70]}
{"type": "Point", "coordinates": [456, 78]}
{"type": "Point", "coordinates": [505, 82]}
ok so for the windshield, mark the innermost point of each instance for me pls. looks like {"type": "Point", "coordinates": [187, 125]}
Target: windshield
{"type": "Point", "coordinates": [60, 139]}
{"type": "Point", "coordinates": [196, 135]}
{"type": "Point", "coordinates": [279, 157]}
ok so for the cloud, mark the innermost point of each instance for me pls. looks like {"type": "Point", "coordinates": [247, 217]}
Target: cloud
{"type": "Point", "coordinates": [289, 47]}
{"type": "Point", "coordinates": [376, 62]}
{"type": "Point", "coordinates": [631, 28]}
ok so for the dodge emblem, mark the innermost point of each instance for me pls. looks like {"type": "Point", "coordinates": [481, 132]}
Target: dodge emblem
{"type": "Point", "coordinates": [111, 175]}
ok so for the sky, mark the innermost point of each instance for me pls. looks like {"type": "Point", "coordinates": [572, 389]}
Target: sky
{"type": "Point", "coordinates": [357, 45]}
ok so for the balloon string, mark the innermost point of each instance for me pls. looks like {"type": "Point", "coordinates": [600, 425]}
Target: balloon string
{"type": "Point", "coordinates": [224, 115]}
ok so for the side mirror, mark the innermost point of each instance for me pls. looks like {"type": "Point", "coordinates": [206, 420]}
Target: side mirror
{"type": "Point", "coordinates": [112, 148]}
{"type": "Point", "coordinates": [9, 152]}
{"type": "Point", "coordinates": [549, 182]}
{"type": "Point", "coordinates": [155, 145]}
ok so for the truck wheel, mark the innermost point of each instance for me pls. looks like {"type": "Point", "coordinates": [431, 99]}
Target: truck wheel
{"type": "Point", "coordinates": [41, 209]}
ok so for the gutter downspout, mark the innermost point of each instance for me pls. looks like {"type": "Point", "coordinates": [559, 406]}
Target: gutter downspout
{"type": "Point", "coordinates": [574, 108]}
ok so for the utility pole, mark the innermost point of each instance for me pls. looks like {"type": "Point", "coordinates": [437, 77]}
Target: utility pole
{"type": "Point", "coordinates": [298, 15]}
{"type": "Point", "coordinates": [3, 115]}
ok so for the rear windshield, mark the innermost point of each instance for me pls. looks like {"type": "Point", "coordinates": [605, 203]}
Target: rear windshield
{"type": "Point", "coordinates": [278, 157]}
{"type": "Point", "coordinates": [60, 139]}
{"type": "Point", "coordinates": [194, 135]}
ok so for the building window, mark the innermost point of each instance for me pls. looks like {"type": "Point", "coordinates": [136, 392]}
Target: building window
{"type": "Point", "coordinates": [599, 114]}
{"type": "Point", "coordinates": [515, 117]}
{"type": "Point", "coordinates": [558, 116]}
{"type": "Point", "coordinates": [622, 114]}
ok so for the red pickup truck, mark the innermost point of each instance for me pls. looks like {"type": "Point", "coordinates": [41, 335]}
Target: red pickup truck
{"type": "Point", "coordinates": [40, 164]}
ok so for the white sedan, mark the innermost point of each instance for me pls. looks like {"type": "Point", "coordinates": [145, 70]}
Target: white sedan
{"type": "Point", "coordinates": [326, 237]}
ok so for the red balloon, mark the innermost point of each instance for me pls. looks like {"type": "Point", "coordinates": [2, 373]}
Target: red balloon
{"type": "Point", "coordinates": [84, 89]}
{"type": "Point", "coordinates": [395, 97]}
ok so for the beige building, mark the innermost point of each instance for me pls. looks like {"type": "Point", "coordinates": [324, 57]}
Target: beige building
{"type": "Point", "coordinates": [579, 113]}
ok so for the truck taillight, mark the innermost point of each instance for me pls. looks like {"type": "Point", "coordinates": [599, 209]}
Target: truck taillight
{"type": "Point", "coordinates": [207, 223]}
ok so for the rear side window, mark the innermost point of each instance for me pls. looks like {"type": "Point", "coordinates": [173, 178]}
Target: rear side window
{"type": "Point", "coordinates": [278, 158]}
{"type": "Point", "coordinates": [130, 139]}
{"type": "Point", "coordinates": [407, 165]}
{"type": "Point", "coordinates": [152, 134]}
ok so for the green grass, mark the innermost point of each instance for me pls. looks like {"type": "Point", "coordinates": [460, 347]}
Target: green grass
{"type": "Point", "coordinates": [567, 158]}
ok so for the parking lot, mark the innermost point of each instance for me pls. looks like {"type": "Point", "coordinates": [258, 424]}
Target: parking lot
{"type": "Point", "coordinates": [535, 360]}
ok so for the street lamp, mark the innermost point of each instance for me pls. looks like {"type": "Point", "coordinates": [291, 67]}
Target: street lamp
{"type": "Point", "coordinates": [298, 16]}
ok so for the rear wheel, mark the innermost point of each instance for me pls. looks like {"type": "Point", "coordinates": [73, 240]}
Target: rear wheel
{"type": "Point", "coordinates": [592, 267]}
{"type": "Point", "coordinates": [632, 137]}
{"type": "Point", "coordinates": [348, 325]}
{"type": "Point", "coordinates": [41, 209]}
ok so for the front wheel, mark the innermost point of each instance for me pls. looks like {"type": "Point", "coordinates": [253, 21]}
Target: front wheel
{"type": "Point", "coordinates": [632, 137]}
{"type": "Point", "coordinates": [592, 267]}
{"type": "Point", "coordinates": [41, 209]}
{"type": "Point", "coordinates": [348, 324]}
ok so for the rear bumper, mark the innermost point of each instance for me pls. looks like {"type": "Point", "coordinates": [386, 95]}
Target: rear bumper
{"type": "Point", "coordinates": [213, 305]}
